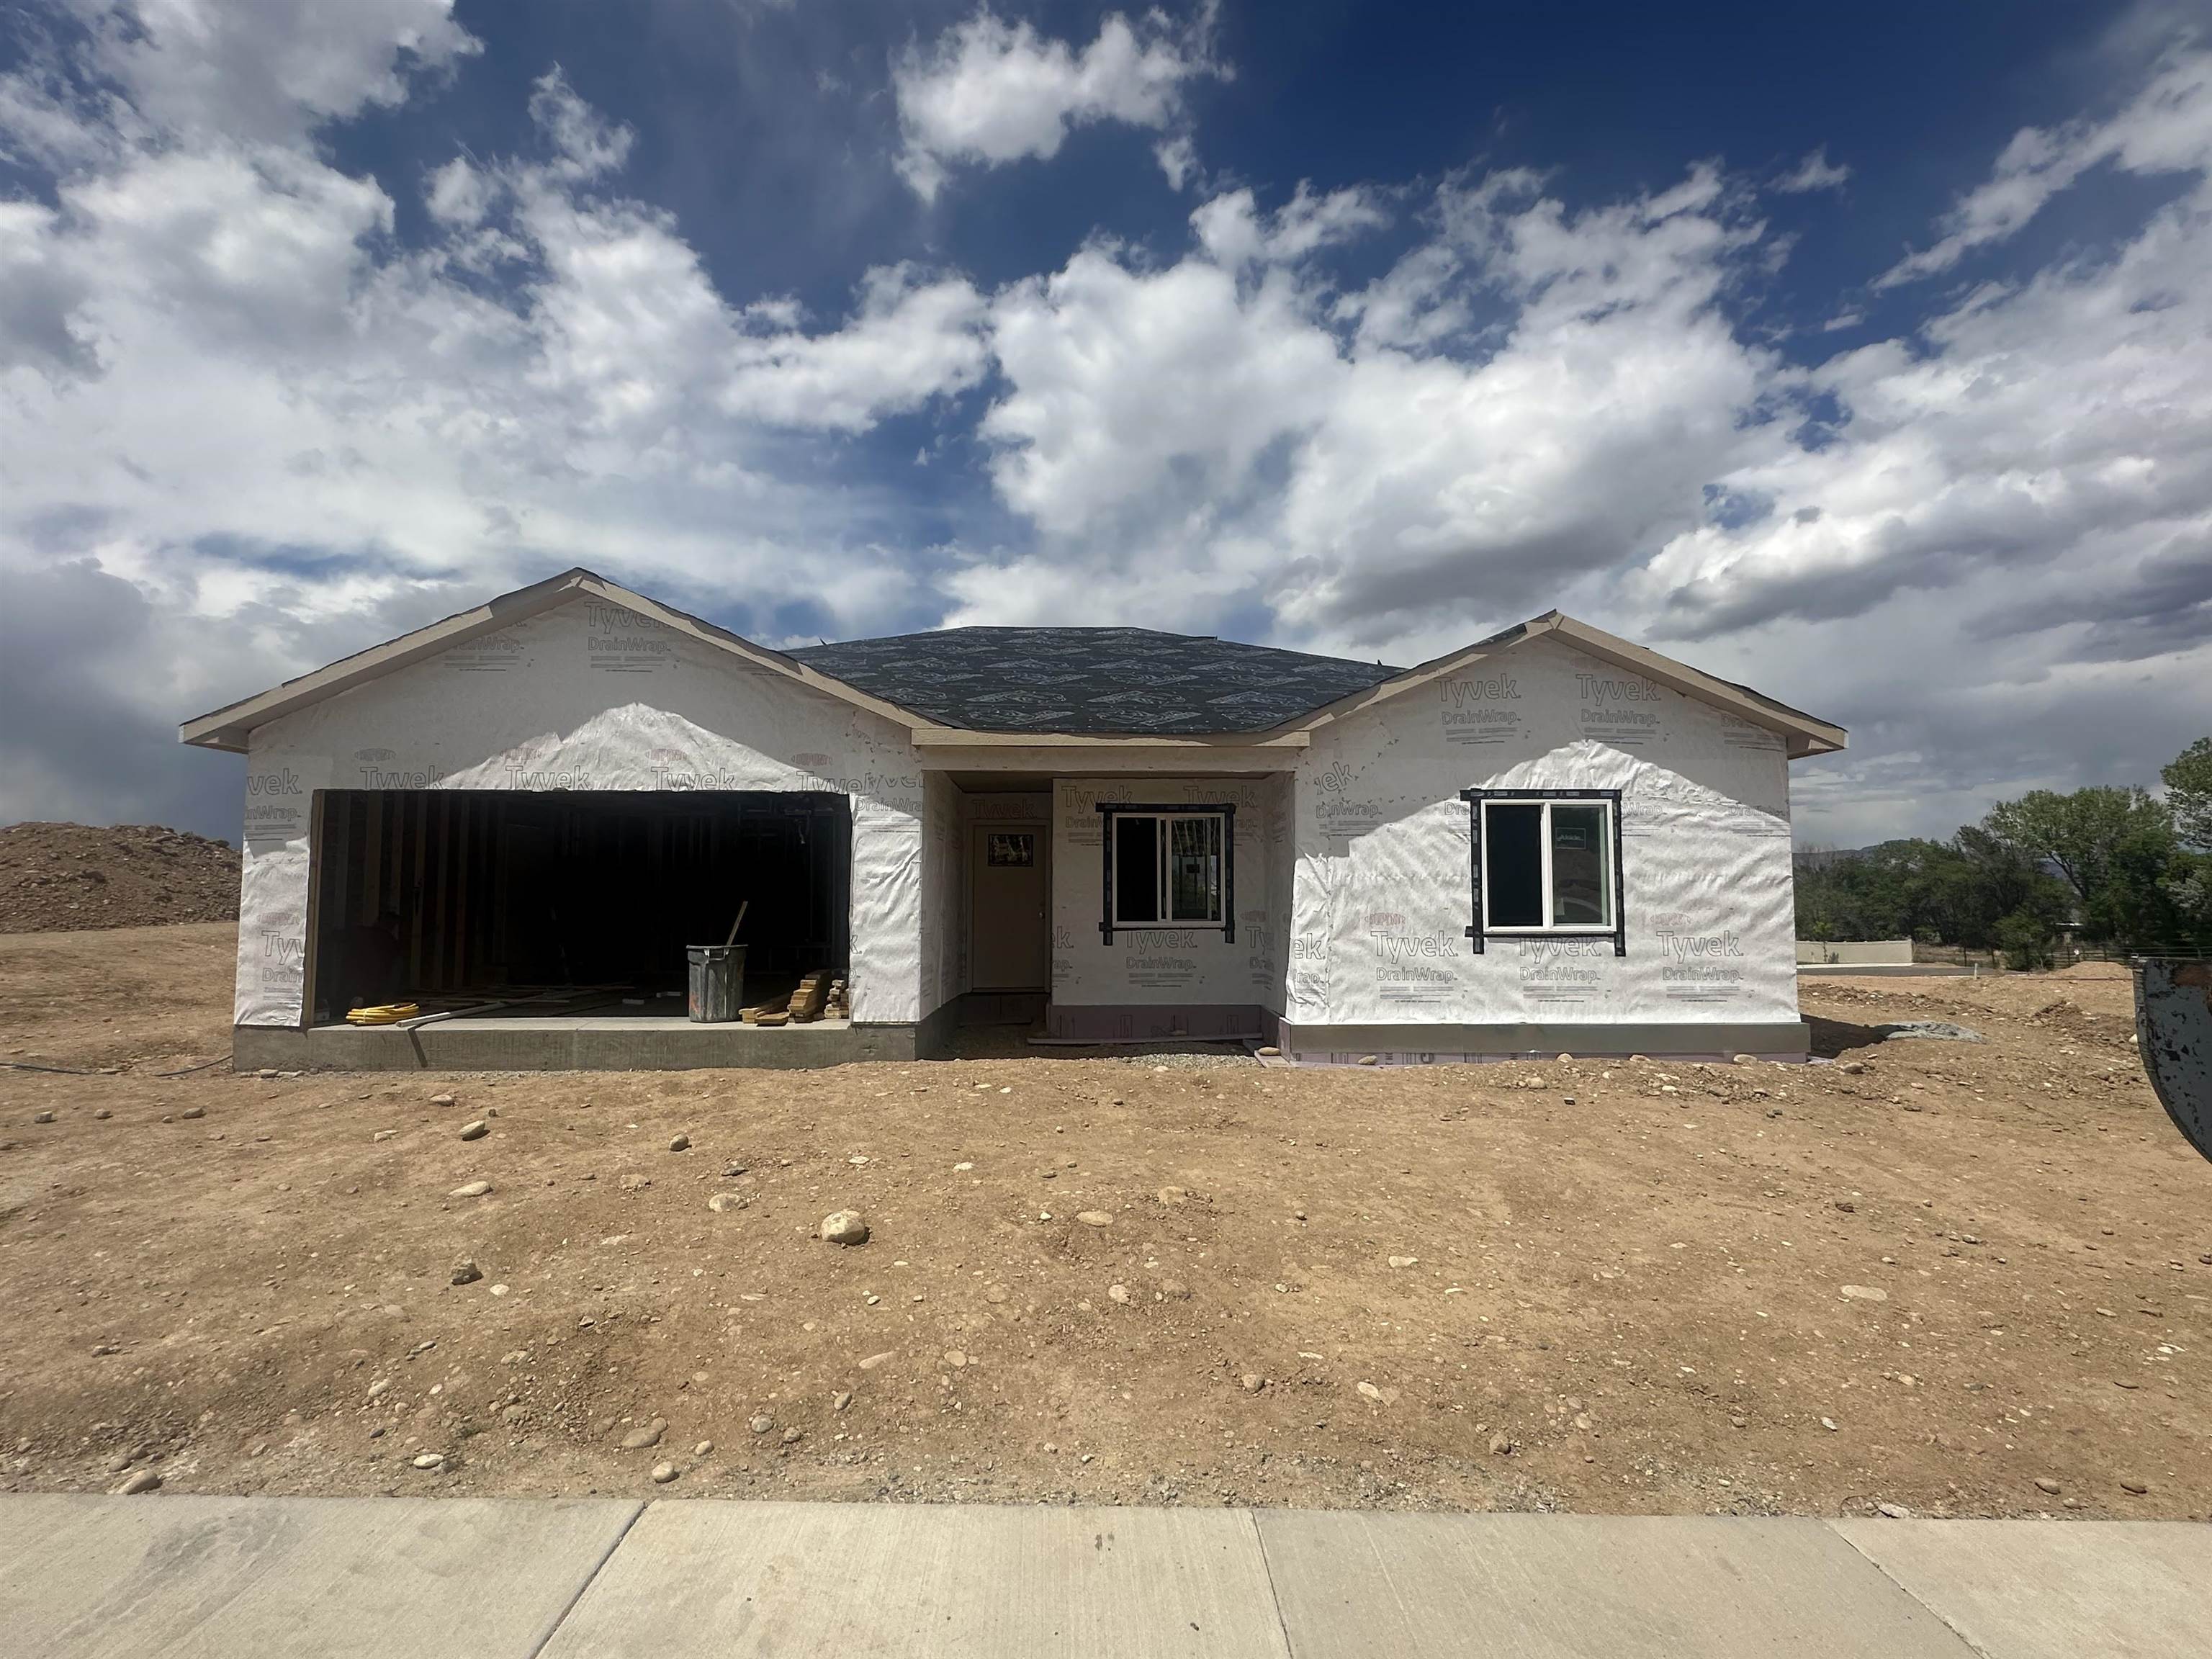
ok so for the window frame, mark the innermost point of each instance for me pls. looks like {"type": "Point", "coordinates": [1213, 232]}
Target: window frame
{"type": "Point", "coordinates": [1224, 813]}
{"type": "Point", "coordinates": [1478, 870]}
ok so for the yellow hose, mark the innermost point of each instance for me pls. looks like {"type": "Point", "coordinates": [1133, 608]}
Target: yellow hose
{"type": "Point", "coordinates": [391, 1013]}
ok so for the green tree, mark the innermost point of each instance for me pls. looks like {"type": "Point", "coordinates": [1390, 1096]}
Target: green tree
{"type": "Point", "coordinates": [2110, 844]}
{"type": "Point", "coordinates": [1999, 882]}
{"type": "Point", "coordinates": [1955, 891]}
{"type": "Point", "coordinates": [1877, 892]}
{"type": "Point", "coordinates": [2187, 883]}
{"type": "Point", "coordinates": [2025, 938]}
{"type": "Point", "coordinates": [2188, 780]}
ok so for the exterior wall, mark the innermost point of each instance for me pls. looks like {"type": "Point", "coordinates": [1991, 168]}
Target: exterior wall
{"type": "Point", "coordinates": [587, 696]}
{"type": "Point", "coordinates": [1166, 967]}
{"type": "Point", "coordinates": [1382, 889]}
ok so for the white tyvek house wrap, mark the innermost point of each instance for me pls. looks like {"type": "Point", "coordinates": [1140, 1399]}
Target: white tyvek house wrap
{"type": "Point", "coordinates": [587, 696]}
{"type": "Point", "coordinates": [1382, 892]}
{"type": "Point", "coordinates": [1158, 967]}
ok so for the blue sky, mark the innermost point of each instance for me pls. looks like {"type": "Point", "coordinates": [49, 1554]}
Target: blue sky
{"type": "Point", "coordinates": [1865, 357]}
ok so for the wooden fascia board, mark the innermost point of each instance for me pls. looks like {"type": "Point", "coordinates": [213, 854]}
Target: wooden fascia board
{"type": "Point", "coordinates": [1818, 736]}
{"type": "Point", "coordinates": [227, 728]}
{"type": "Point", "coordinates": [1804, 734]}
{"type": "Point", "coordinates": [1385, 690]}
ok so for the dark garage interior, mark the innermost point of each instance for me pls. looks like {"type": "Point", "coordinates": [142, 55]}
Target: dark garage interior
{"type": "Point", "coordinates": [587, 899]}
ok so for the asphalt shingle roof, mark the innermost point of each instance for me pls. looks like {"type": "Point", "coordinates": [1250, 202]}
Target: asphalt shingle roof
{"type": "Point", "coordinates": [1093, 680]}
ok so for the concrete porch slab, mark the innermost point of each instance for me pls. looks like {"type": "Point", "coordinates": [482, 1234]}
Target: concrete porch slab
{"type": "Point", "coordinates": [2120, 1590]}
{"type": "Point", "coordinates": [695, 1578]}
{"type": "Point", "coordinates": [96, 1577]}
{"type": "Point", "coordinates": [1372, 1586]}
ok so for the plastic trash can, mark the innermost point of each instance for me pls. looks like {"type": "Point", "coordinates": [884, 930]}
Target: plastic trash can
{"type": "Point", "coordinates": [718, 981]}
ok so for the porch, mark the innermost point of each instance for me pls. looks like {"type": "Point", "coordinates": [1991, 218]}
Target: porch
{"type": "Point", "coordinates": [1107, 909]}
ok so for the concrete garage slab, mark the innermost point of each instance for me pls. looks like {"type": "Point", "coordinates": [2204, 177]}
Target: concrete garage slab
{"type": "Point", "coordinates": [2120, 1590]}
{"type": "Point", "coordinates": [1351, 1585]}
{"type": "Point", "coordinates": [92, 1577]}
{"type": "Point", "coordinates": [787, 1579]}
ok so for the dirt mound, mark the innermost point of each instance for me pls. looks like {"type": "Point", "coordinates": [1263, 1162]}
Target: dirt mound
{"type": "Point", "coordinates": [62, 877]}
{"type": "Point", "coordinates": [2106, 970]}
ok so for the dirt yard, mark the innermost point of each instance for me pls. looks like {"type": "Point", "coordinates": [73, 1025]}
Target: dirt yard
{"type": "Point", "coordinates": [1967, 1278]}
{"type": "Point", "coordinates": [73, 876]}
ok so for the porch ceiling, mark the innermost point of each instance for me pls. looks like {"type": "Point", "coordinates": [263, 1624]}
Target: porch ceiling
{"type": "Point", "coordinates": [1001, 783]}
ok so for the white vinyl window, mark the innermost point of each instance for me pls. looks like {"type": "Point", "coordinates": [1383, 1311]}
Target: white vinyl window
{"type": "Point", "coordinates": [1169, 869]}
{"type": "Point", "coordinates": [1547, 865]}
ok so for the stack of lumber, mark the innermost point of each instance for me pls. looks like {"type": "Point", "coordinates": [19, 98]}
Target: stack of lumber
{"type": "Point", "coordinates": [812, 995]}
{"type": "Point", "coordinates": [802, 1007]}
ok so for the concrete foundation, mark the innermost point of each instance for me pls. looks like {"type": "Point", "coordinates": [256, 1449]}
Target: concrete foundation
{"type": "Point", "coordinates": [1400, 1045]}
{"type": "Point", "coordinates": [1145, 1023]}
{"type": "Point", "coordinates": [578, 1043]}
{"type": "Point", "coordinates": [934, 1037]}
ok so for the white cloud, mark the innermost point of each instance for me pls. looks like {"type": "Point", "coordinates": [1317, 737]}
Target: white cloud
{"type": "Point", "coordinates": [1980, 546]}
{"type": "Point", "coordinates": [273, 70]}
{"type": "Point", "coordinates": [1234, 232]}
{"type": "Point", "coordinates": [989, 91]}
{"type": "Point", "coordinates": [2165, 128]}
{"type": "Point", "coordinates": [1814, 173]}
{"type": "Point", "coordinates": [38, 294]}
{"type": "Point", "coordinates": [225, 384]}
{"type": "Point", "coordinates": [2056, 433]}
{"type": "Point", "coordinates": [586, 144]}
{"type": "Point", "coordinates": [458, 194]}
{"type": "Point", "coordinates": [1178, 160]}
{"type": "Point", "coordinates": [913, 338]}
{"type": "Point", "coordinates": [1141, 402]}
{"type": "Point", "coordinates": [1364, 487]}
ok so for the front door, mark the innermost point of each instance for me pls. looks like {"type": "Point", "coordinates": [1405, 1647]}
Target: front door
{"type": "Point", "coordinates": [1008, 886]}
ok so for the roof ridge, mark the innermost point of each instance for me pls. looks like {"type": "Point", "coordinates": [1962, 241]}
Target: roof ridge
{"type": "Point", "coordinates": [802, 651]}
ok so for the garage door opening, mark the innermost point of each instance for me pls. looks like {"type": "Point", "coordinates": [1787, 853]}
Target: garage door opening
{"type": "Point", "coordinates": [579, 901]}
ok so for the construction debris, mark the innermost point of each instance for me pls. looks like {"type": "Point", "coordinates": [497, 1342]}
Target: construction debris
{"type": "Point", "coordinates": [818, 996]}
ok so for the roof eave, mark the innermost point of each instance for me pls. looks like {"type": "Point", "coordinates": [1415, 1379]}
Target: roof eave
{"type": "Point", "coordinates": [1802, 733]}
{"type": "Point", "coordinates": [962, 737]}
{"type": "Point", "coordinates": [229, 728]}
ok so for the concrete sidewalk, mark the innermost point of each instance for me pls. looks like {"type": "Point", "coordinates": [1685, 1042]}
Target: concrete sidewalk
{"type": "Point", "coordinates": [396, 1578]}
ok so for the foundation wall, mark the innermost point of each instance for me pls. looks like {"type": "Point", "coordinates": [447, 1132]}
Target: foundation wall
{"type": "Point", "coordinates": [614, 1045]}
